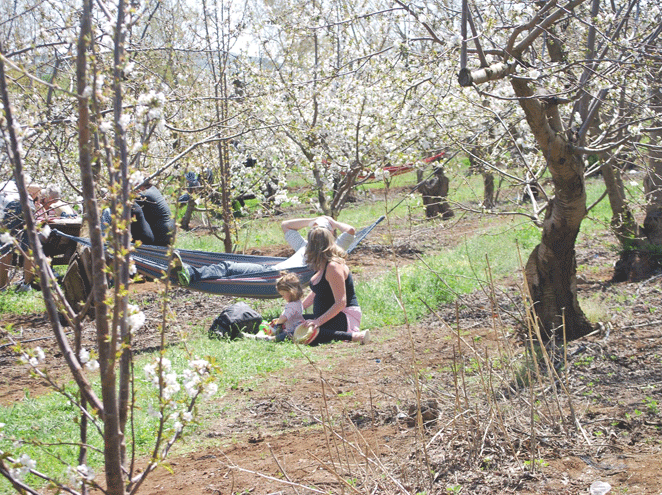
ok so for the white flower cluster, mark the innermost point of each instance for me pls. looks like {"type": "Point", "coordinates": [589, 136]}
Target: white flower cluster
{"type": "Point", "coordinates": [382, 174]}
{"type": "Point", "coordinates": [33, 357]}
{"type": "Point", "coordinates": [151, 104]}
{"type": "Point", "coordinates": [6, 238]}
{"type": "Point", "coordinates": [80, 473]}
{"type": "Point", "coordinates": [281, 197]}
{"type": "Point", "coordinates": [22, 467]}
{"type": "Point", "coordinates": [84, 358]}
{"type": "Point", "coordinates": [135, 318]}
{"type": "Point", "coordinates": [106, 126]}
{"type": "Point", "coordinates": [170, 384]}
{"type": "Point", "coordinates": [195, 378]}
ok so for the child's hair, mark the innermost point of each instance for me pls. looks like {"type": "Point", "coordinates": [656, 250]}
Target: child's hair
{"type": "Point", "coordinates": [289, 282]}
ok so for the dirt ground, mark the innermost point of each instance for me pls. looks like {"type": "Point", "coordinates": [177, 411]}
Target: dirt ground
{"type": "Point", "coordinates": [349, 424]}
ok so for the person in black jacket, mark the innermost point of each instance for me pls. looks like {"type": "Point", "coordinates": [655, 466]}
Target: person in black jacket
{"type": "Point", "coordinates": [152, 222]}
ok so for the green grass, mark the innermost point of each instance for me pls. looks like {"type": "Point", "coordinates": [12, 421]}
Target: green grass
{"type": "Point", "coordinates": [48, 424]}
{"type": "Point", "coordinates": [439, 278]}
{"type": "Point", "coordinates": [463, 269]}
{"type": "Point", "coordinates": [21, 303]}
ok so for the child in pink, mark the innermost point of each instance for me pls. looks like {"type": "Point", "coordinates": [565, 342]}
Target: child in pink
{"type": "Point", "coordinates": [289, 287]}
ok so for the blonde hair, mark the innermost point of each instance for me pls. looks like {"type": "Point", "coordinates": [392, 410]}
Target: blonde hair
{"type": "Point", "coordinates": [322, 249]}
{"type": "Point", "coordinates": [289, 283]}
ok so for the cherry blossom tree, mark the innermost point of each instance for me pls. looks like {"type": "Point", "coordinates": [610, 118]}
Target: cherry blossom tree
{"type": "Point", "coordinates": [565, 64]}
{"type": "Point", "coordinates": [88, 84]}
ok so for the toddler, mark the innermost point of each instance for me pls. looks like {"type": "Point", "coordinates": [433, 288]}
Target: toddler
{"type": "Point", "coordinates": [289, 287]}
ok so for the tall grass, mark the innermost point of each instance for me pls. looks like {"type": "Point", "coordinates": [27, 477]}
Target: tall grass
{"type": "Point", "coordinates": [439, 278]}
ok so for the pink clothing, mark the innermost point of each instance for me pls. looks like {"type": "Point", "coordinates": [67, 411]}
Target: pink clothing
{"type": "Point", "coordinates": [353, 314]}
{"type": "Point", "coordinates": [294, 313]}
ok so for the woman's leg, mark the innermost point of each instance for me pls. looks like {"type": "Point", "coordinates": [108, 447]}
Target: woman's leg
{"type": "Point", "coordinates": [332, 330]}
{"type": "Point", "coordinates": [223, 269]}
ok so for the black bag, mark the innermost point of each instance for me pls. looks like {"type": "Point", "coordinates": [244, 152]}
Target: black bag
{"type": "Point", "coordinates": [239, 317]}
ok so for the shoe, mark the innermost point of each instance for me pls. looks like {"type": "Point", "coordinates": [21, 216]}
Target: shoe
{"type": "Point", "coordinates": [180, 269]}
{"type": "Point", "coordinates": [361, 337]}
{"type": "Point", "coordinates": [23, 288]}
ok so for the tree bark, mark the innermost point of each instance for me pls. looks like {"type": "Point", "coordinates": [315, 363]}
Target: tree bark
{"type": "Point", "coordinates": [641, 253]}
{"type": "Point", "coordinates": [623, 225]}
{"type": "Point", "coordinates": [435, 192]}
{"type": "Point", "coordinates": [188, 214]}
{"type": "Point", "coordinates": [488, 190]}
{"type": "Point", "coordinates": [551, 268]}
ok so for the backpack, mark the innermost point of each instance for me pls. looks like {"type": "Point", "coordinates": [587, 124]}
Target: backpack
{"type": "Point", "coordinates": [239, 317]}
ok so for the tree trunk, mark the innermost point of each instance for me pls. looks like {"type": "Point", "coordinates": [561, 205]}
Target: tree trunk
{"type": "Point", "coordinates": [186, 220]}
{"type": "Point", "coordinates": [435, 192]}
{"type": "Point", "coordinates": [488, 191]}
{"type": "Point", "coordinates": [551, 268]}
{"type": "Point", "coordinates": [642, 249]}
{"type": "Point", "coordinates": [623, 225]}
{"type": "Point", "coordinates": [653, 180]}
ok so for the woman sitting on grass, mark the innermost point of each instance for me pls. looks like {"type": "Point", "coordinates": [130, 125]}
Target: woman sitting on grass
{"type": "Point", "coordinates": [336, 310]}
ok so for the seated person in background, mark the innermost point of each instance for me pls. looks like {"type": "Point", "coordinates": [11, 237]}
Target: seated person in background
{"type": "Point", "coordinates": [12, 222]}
{"type": "Point", "coordinates": [52, 204]}
{"type": "Point", "coordinates": [152, 221]}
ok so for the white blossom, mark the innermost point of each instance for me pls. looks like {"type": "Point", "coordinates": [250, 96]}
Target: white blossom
{"type": "Point", "coordinates": [23, 467]}
{"type": "Point", "coordinates": [92, 365]}
{"type": "Point", "coordinates": [6, 238]}
{"type": "Point", "coordinates": [171, 385]}
{"type": "Point", "coordinates": [84, 356]}
{"type": "Point", "coordinates": [39, 354]}
{"type": "Point", "coordinates": [85, 472]}
{"type": "Point", "coordinates": [125, 120]}
{"type": "Point", "coordinates": [209, 390]}
{"type": "Point", "coordinates": [106, 127]}
{"type": "Point", "coordinates": [136, 318]}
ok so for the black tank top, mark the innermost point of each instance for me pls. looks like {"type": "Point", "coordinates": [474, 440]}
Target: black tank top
{"type": "Point", "coordinates": [324, 295]}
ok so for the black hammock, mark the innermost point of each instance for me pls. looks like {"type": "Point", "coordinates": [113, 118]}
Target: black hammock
{"type": "Point", "coordinates": [152, 262]}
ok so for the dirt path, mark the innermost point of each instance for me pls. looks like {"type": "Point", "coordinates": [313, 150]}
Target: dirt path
{"type": "Point", "coordinates": [348, 424]}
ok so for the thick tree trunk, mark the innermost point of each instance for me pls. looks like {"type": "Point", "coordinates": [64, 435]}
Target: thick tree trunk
{"type": "Point", "coordinates": [641, 252]}
{"type": "Point", "coordinates": [435, 192]}
{"type": "Point", "coordinates": [653, 188]}
{"type": "Point", "coordinates": [551, 268]}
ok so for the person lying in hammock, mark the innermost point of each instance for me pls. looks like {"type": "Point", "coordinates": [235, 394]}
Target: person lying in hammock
{"type": "Point", "coordinates": [187, 274]}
